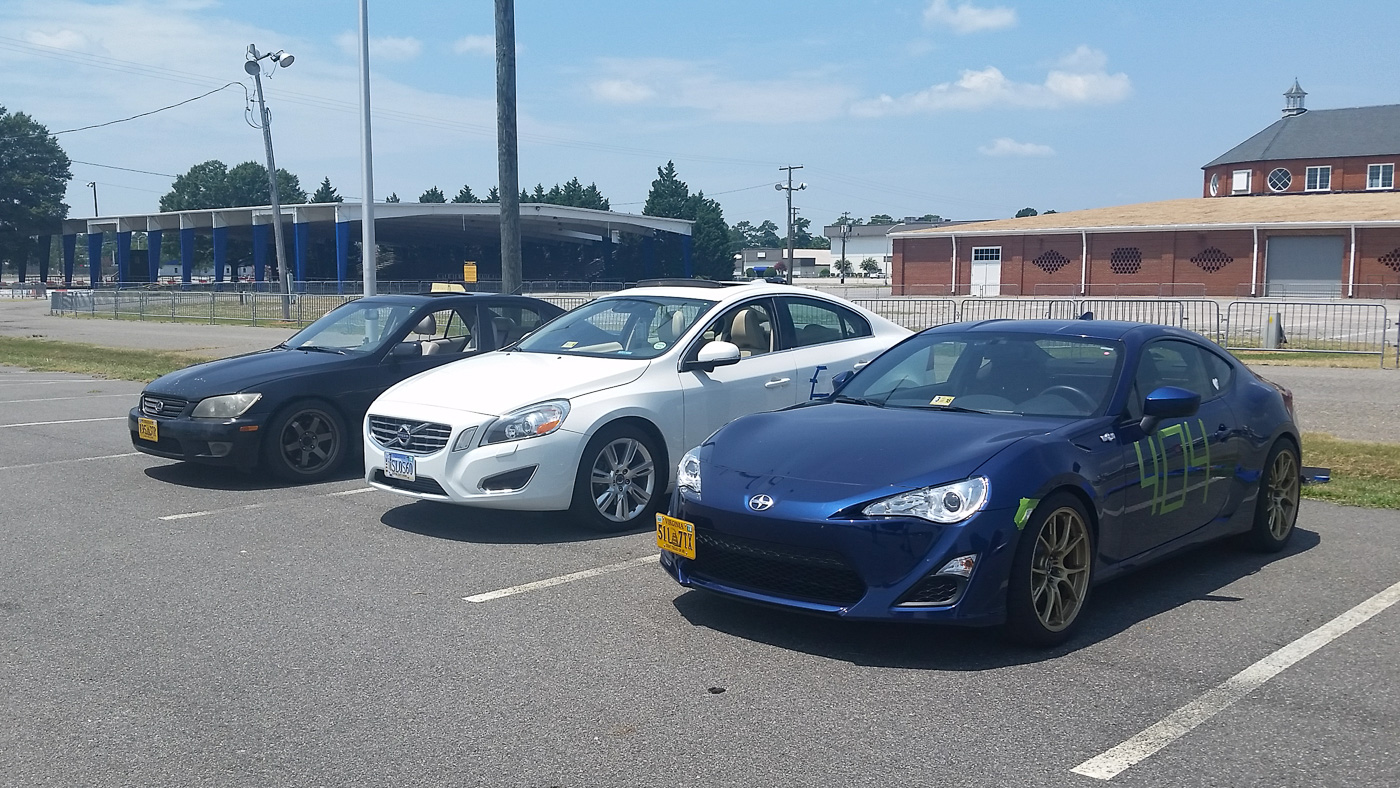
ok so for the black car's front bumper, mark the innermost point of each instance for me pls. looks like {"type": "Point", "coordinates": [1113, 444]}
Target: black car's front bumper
{"type": "Point", "coordinates": [227, 442]}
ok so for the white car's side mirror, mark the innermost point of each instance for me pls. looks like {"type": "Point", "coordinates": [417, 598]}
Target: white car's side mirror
{"type": "Point", "coordinates": [715, 354]}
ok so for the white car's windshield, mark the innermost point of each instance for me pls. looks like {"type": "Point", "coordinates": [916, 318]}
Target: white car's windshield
{"type": "Point", "coordinates": [1027, 374]}
{"type": "Point", "coordinates": [356, 327]}
{"type": "Point", "coordinates": [623, 327]}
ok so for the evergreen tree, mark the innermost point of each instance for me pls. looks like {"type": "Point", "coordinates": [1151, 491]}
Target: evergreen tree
{"type": "Point", "coordinates": [393, 197]}
{"type": "Point", "coordinates": [33, 177]}
{"type": "Point", "coordinates": [432, 195]}
{"type": "Point", "coordinates": [670, 197]}
{"type": "Point", "coordinates": [326, 193]}
{"type": "Point", "coordinates": [493, 195]}
{"type": "Point", "coordinates": [465, 196]}
{"type": "Point", "coordinates": [1024, 212]}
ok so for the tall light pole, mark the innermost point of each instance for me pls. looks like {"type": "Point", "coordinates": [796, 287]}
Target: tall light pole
{"type": "Point", "coordinates": [93, 185]}
{"type": "Point", "coordinates": [845, 233]}
{"type": "Point", "coordinates": [368, 250]}
{"type": "Point", "coordinates": [282, 59]}
{"type": "Point", "coordinates": [790, 189]}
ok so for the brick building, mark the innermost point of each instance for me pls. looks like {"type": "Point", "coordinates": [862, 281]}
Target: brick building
{"type": "Point", "coordinates": [1311, 210]}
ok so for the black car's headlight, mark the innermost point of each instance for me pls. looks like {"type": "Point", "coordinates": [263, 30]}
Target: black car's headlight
{"type": "Point", "coordinates": [530, 422]}
{"type": "Point", "coordinates": [946, 503]}
{"type": "Point", "coordinates": [228, 406]}
{"type": "Point", "coordinates": [688, 472]}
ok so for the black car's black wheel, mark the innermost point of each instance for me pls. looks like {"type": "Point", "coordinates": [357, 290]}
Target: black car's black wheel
{"type": "Point", "coordinates": [1050, 573]}
{"type": "Point", "coordinates": [621, 480]}
{"type": "Point", "coordinates": [1276, 510]}
{"type": "Point", "coordinates": [305, 442]}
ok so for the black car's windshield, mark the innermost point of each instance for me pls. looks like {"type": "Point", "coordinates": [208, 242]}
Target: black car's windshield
{"type": "Point", "coordinates": [356, 327]}
{"type": "Point", "coordinates": [1025, 374]}
{"type": "Point", "coordinates": [623, 327]}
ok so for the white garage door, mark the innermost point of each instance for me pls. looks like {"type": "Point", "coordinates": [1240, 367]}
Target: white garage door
{"type": "Point", "coordinates": [1304, 265]}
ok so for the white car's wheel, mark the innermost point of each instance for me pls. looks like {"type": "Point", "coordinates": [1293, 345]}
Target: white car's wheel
{"type": "Point", "coordinates": [619, 484]}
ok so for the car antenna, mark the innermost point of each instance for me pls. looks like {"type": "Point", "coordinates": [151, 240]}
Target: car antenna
{"type": "Point", "coordinates": [1087, 316]}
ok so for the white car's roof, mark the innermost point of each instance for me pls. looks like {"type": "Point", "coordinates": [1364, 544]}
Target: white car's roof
{"type": "Point", "coordinates": [725, 294]}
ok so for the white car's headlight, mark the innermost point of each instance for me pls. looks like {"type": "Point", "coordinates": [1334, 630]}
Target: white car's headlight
{"type": "Point", "coordinates": [946, 503]}
{"type": "Point", "coordinates": [688, 472]}
{"type": "Point", "coordinates": [229, 406]}
{"type": "Point", "coordinates": [531, 422]}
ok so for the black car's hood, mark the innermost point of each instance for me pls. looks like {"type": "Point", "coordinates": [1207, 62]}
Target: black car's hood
{"type": "Point", "coordinates": [243, 373]}
{"type": "Point", "coordinates": [869, 446]}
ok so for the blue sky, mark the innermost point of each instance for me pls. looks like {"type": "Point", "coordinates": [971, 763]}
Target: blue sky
{"type": "Point", "coordinates": [904, 107]}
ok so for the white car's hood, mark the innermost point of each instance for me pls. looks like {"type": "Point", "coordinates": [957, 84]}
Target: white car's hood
{"type": "Point", "coordinates": [495, 384]}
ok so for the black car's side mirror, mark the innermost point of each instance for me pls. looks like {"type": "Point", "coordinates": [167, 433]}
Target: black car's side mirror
{"type": "Point", "coordinates": [1168, 402]}
{"type": "Point", "coordinates": [406, 350]}
{"type": "Point", "coordinates": [714, 354]}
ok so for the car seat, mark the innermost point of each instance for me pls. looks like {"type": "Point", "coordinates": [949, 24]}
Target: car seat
{"type": "Point", "coordinates": [749, 333]}
{"type": "Point", "coordinates": [505, 331]}
{"type": "Point", "coordinates": [670, 330]}
{"type": "Point", "coordinates": [427, 327]}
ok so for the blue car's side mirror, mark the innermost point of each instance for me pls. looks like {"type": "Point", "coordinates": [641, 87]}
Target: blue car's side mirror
{"type": "Point", "coordinates": [1168, 402]}
{"type": "Point", "coordinates": [840, 380]}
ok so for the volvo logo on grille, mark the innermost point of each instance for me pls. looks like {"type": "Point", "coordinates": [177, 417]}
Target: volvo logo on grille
{"type": "Point", "coordinates": [760, 503]}
{"type": "Point", "coordinates": [404, 436]}
{"type": "Point", "coordinates": [153, 406]}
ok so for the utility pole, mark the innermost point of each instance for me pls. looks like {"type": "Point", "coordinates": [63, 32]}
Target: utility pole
{"type": "Point", "coordinates": [845, 232]}
{"type": "Point", "coordinates": [507, 156]}
{"type": "Point", "coordinates": [790, 189]}
{"type": "Point", "coordinates": [265, 120]}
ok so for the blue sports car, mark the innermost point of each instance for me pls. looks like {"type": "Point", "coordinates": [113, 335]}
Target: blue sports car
{"type": "Point", "coordinates": [989, 474]}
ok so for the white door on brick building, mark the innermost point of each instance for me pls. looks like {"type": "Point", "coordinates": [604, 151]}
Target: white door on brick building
{"type": "Point", "coordinates": [986, 271]}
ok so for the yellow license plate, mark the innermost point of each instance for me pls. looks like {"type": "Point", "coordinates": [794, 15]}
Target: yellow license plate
{"type": "Point", "coordinates": [148, 430]}
{"type": "Point", "coordinates": [676, 536]}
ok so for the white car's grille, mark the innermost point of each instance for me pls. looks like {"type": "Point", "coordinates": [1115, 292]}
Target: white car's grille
{"type": "Point", "coordinates": [408, 436]}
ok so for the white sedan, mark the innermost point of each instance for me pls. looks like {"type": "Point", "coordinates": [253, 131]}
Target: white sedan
{"type": "Point", "coordinates": [591, 411]}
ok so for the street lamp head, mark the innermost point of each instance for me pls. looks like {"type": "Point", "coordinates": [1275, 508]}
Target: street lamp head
{"type": "Point", "coordinates": [283, 59]}
{"type": "Point", "coordinates": [801, 186]}
{"type": "Point", "coordinates": [251, 67]}
{"type": "Point", "coordinates": [778, 186]}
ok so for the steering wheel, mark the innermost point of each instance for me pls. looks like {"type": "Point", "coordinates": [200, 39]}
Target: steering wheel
{"type": "Point", "coordinates": [1088, 403]}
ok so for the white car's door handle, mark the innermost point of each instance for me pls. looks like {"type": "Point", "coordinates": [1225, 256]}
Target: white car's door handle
{"type": "Point", "coordinates": [776, 382]}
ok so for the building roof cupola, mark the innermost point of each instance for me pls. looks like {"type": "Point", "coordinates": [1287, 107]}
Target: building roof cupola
{"type": "Point", "coordinates": [1295, 97]}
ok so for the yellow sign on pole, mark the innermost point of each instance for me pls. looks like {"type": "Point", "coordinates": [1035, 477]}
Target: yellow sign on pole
{"type": "Point", "coordinates": [468, 272]}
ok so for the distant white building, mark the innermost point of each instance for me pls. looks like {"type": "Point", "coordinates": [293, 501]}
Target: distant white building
{"type": "Point", "coordinates": [874, 241]}
{"type": "Point", "coordinates": [810, 262]}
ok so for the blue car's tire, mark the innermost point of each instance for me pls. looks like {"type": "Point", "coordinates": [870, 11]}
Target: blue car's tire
{"type": "Point", "coordinates": [1051, 573]}
{"type": "Point", "coordinates": [1276, 510]}
{"type": "Point", "coordinates": [305, 442]}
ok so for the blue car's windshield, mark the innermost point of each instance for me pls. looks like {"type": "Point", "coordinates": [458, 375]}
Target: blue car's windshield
{"type": "Point", "coordinates": [622, 327]}
{"type": "Point", "coordinates": [356, 327]}
{"type": "Point", "coordinates": [1026, 374]}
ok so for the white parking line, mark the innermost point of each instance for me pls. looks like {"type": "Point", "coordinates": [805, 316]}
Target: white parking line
{"type": "Point", "coordinates": [54, 399]}
{"type": "Point", "coordinates": [1110, 764]}
{"type": "Point", "coordinates": [245, 507]}
{"type": "Point", "coordinates": [62, 421]}
{"type": "Point", "coordinates": [60, 462]}
{"type": "Point", "coordinates": [560, 580]}
{"type": "Point", "coordinates": [54, 382]}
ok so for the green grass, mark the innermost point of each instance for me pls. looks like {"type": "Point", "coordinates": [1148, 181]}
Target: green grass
{"type": "Point", "coordinates": [1363, 473]}
{"type": "Point", "coordinates": [104, 362]}
{"type": "Point", "coordinates": [1342, 360]}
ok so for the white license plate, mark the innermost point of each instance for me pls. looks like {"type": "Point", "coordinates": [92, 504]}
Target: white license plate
{"type": "Point", "coordinates": [400, 466]}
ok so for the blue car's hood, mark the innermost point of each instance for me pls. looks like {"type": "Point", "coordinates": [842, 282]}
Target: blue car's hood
{"type": "Point", "coordinates": [240, 373]}
{"type": "Point", "coordinates": [868, 447]}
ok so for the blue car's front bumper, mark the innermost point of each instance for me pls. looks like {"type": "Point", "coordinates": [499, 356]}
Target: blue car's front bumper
{"type": "Point", "coordinates": [873, 569]}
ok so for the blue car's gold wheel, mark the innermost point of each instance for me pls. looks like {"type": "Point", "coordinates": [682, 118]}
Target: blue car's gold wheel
{"type": "Point", "coordinates": [1051, 573]}
{"type": "Point", "coordinates": [1277, 508]}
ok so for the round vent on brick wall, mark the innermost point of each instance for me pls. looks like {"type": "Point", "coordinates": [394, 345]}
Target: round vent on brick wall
{"type": "Point", "coordinates": [1050, 261]}
{"type": "Point", "coordinates": [1125, 260]}
{"type": "Point", "coordinates": [1212, 259]}
{"type": "Point", "coordinates": [1391, 260]}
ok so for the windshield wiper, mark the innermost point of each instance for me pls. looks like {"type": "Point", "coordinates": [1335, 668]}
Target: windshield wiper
{"type": "Point", "coordinates": [319, 349]}
{"type": "Point", "coordinates": [857, 401]}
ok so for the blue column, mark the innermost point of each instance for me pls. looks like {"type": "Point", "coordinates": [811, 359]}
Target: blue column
{"type": "Point", "coordinates": [220, 253]}
{"type": "Point", "coordinates": [186, 253]}
{"type": "Point", "coordinates": [123, 256]}
{"type": "Point", "coordinates": [649, 257]}
{"type": "Point", "coordinates": [153, 238]}
{"type": "Point", "coordinates": [301, 231]}
{"type": "Point", "coordinates": [685, 256]}
{"type": "Point", "coordinates": [342, 255]}
{"type": "Point", "coordinates": [260, 233]}
{"type": "Point", "coordinates": [94, 259]}
{"type": "Point", "coordinates": [22, 264]}
{"type": "Point", "coordinates": [70, 256]}
{"type": "Point", "coordinates": [45, 255]}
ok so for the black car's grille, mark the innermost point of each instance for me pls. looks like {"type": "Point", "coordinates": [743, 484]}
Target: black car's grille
{"type": "Point", "coordinates": [161, 406]}
{"type": "Point", "coordinates": [782, 571]}
{"type": "Point", "coordinates": [422, 484]}
{"type": "Point", "coordinates": [934, 591]}
{"type": "Point", "coordinates": [407, 436]}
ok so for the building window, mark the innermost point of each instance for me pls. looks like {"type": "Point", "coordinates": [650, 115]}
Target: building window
{"type": "Point", "coordinates": [759, 255]}
{"type": "Point", "coordinates": [1280, 179]}
{"type": "Point", "coordinates": [1380, 176]}
{"type": "Point", "coordinates": [1125, 260]}
{"type": "Point", "coordinates": [986, 254]}
{"type": "Point", "coordinates": [1319, 179]}
{"type": "Point", "coordinates": [1050, 261]}
{"type": "Point", "coordinates": [1215, 184]}
{"type": "Point", "coordinates": [1239, 183]}
{"type": "Point", "coordinates": [1212, 259]}
{"type": "Point", "coordinates": [1391, 260]}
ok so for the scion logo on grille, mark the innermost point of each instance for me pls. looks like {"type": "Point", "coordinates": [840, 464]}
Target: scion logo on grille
{"type": "Point", "coordinates": [760, 503]}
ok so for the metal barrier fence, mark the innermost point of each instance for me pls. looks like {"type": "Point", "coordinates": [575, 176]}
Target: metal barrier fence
{"type": "Point", "coordinates": [1307, 327]}
{"type": "Point", "coordinates": [1017, 309]}
{"type": "Point", "coordinates": [195, 307]}
{"type": "Point", "coordinates": [913, 313]}
{"type": "Point", "coordinates": [395, 286]}
{"type": "Point", "coordinates": [1199, 315]}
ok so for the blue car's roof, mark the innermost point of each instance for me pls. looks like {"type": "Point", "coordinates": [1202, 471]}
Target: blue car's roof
{"type": "Point", "coordinates": [1096, 329]}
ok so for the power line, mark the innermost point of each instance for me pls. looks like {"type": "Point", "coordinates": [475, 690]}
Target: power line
{"type": "Point", "coordinates": [123, 169]}
{"type": "Point", "coordinates": [152, 112]}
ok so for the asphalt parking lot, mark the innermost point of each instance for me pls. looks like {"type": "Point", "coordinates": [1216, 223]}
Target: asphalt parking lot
{"type": "Point", "coordinates": [168, 625]}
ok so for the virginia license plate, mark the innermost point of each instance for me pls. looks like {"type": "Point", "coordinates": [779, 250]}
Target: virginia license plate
{"type": "Point", "coordinates": [676, 536]}
{"type": "Point", "coordinates": [400, 466]}
{"type": "Point", "coordinates": [148, 430]}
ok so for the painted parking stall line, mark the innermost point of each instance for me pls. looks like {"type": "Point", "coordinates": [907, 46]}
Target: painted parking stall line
{"type": "Point", "coordinates": [55, 399]}
{"type": "Point", "coordinates": [62, 421]}
{"type": "Point", "coordinates": [1113, 762]}
{"type": "Point", "coordinates": [562, 579]}
{"type": "Point", "coordinates": [63, 462]}
{"type": "Point", "coordinates": [249, 506]}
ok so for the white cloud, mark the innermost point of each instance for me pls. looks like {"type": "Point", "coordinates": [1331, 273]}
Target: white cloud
{"type": "Point", "coordinates": [968, 18]}
{"type": "Point", "coordinates": [698, 86]}
{"type": "Point", "coordinates": [1005, 146]}
{"type": "Point", "coordinates": [1079, 78]}
{"type": "Point", "coordinates": [63, 39]}
{"type": "Point", "coordinates": [475, 45]}
{"type": "Point", "coordinates": [382, 47]}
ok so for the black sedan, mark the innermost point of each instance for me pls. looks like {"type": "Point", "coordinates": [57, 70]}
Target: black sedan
{"type": "Point", "coordinates": [295, 409]}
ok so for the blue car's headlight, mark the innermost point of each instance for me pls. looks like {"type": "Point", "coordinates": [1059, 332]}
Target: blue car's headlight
{"type": "Point", "coordinates": [946, 503]}
{"type": "Point", "coordinates": [228, 406]}
{"type": "Point", "coordinates": [688, 472]}
{"type": "Point", "coordinates": [531, 422]}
